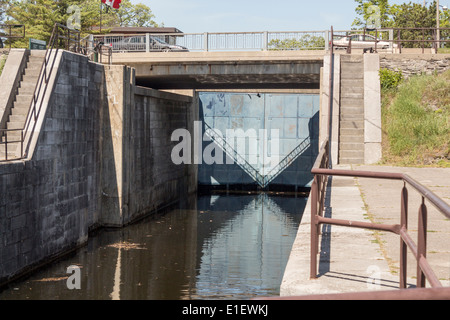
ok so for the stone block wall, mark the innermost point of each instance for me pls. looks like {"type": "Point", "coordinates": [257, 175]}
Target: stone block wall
{"type": "Point", "coordinates": [100, 159]}
{"type": "Point", "coordinates": [416, 64]}
{"type": "Point", "coordinates": [49, 201]}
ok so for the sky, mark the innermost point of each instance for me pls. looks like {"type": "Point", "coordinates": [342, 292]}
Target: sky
{"type": "Point", "coordinates": [197, 16]}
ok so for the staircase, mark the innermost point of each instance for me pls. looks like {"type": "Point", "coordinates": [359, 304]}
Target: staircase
{"type": "Point", "coordinates": [351, 135]}
{"type": "Point", "coordinates": [21, 106]}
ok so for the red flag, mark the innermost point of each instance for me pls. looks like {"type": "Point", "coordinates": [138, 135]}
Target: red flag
{"type": "Point", "coordinates": [112, 3]}
{"type": "Point", "coordinates": [116, 4]}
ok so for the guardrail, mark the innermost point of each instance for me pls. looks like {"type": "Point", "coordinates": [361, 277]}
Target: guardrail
{"type": "Point", "coordinates": [424, 271]}
{"type": "Point", "coordinates": [15, 31]}
{"type": "Point", "coordinates": [223, 41]}
{"type": "Point", "coordinates": [390, 40]}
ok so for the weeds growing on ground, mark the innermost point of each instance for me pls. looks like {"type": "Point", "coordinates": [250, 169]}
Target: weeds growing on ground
{"type": "Point", "coordinates": [416, 122]}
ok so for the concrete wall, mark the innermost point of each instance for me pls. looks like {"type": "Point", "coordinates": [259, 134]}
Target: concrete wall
{"type": "Point", "coordinates": [97, 161]}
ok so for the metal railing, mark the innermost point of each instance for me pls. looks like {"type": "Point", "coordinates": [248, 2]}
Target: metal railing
{"type": "Point", "coordinates": [14, 31]}
{"type": "Point", "coordinates": [424, 270]}
{"type": "Point", "coordinates": [322, 169]}
{"type": "Point", "coordinates": [391, 40]}
{"type": "Point", "coordinates": [221, 41]}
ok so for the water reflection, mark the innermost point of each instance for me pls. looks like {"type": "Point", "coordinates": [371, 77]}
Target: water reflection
{"type": "Point", "coordinates": [220, 247]}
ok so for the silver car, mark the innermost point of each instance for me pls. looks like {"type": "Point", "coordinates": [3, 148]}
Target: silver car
{"type": "Point", "coordinates": [361, 41]}
{"type": "Point", "coordinates": [139, 43]}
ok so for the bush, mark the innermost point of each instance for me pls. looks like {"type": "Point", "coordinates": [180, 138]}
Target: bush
{"type": "Point", "coordinates": [390, 79]}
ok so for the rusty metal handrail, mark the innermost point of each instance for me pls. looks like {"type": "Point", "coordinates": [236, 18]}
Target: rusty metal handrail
{"type": "Point", "coordinates": [424, 270]}
{"type": "Point", "coordinates": [10, 34]}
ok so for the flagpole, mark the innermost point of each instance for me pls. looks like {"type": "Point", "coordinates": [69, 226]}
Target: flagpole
{"type": "Point", "coordinates": [101, 16]}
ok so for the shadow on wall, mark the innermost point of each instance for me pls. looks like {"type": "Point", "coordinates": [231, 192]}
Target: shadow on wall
{"type": "Point", "coordinates": [295, 176]}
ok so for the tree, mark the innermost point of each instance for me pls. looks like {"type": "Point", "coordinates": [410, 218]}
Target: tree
{"type": "Point", "coordinates": [372, 14]}
{"type": "Point", "coordinates": [138, 15]}
{"type": "Point", "coordinates": [39, 16]}
{"type": "Point", "coordinates": [305, 42]}
{"type": "Point", "coordinates": [3, 6]}
{"type": "Point", "coordinates": [413, 15]}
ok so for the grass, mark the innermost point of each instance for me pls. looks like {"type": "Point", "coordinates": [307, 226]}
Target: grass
{"type": "Point", "coordinates": [416, 122]}
{"type": "Point", "coordinates": [3, 58]}
{"type": "Point", "coordinates": [444, 50]}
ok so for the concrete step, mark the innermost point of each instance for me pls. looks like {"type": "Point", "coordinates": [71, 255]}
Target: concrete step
{"type": "Point", "coordinates": [24, 99]}
{"type": "Point", "coordinates": [351, 132]}
{"type": "Point", "coordinates": [13, 136]}
{"type": "Point", "coordinates": [17, 117]}
{"type": "Point", "coordinates": [352, 95]}
{"type": "Point", "coordinates": [31, 74]}
{"type": "Point", "coordinates": [351, 160]}
{"type": "Point", "coordinates": [352, 58]}
{"type": "Point", "coordinates": [352, 124]}
{"type": "Point", "coordinates": [15, 125]}
{"type": "Point", "coordinates": [352, 83]}
{"type": "Point", "coordinates": [27, 87]}
{"type": "Point", "coordinates": [347, 89]}
{"type": "Point", "coordinates": [352, 110]}
{"type": "Point", "coordinates": [351, 154]}
{"type": "Point", "coordinates": [352, 71]}
{"type": "Point", "coordinates": [351, 102]}
{"type": "Point", "coordinates": [351, 116]}
{"type": "Point", "coordinates": [20, 109]}
{"type": "Point", "coordinates": [351, 146]}
{"type": "Point", "coordinates": [351, 139]}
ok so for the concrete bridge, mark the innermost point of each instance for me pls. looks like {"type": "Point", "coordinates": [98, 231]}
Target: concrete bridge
{"type": "Point", "coordinates": [225, 70]}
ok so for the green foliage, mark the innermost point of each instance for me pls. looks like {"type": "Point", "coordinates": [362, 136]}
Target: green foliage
{"type": "Point", "coordinates": [365, 12]}
{"type": "Point", "coordinates": [416, 122]}
{"type": "Point", "coordinates": [39, 16]}
{"type": "Point", "coordinates": [305, 42]}
{"type": "Point", "coordinates": [390, 79]}
{"type": "Point", "coordinates": [3, 58]}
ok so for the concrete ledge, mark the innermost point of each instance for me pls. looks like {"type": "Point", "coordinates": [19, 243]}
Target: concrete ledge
{"type": "Point", "coordinates": [221, 57]}
{"type": "Point", "coordinates": [148, 92]}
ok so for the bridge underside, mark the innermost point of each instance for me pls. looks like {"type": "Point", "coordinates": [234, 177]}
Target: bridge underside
{"type": "Point", "coordinates": [258, 70]}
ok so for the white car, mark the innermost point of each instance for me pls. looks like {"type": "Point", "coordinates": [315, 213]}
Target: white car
{"type": "Point", "coordinates": [361, 41]}
{"type": "Point", "coordinates": [138, 43]}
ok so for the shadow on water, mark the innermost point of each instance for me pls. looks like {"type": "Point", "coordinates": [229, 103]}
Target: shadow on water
{"type": "Point", "coordinates": [218, 247]}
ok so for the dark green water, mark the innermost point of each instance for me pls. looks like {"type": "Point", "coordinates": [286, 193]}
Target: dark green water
{"type": "Point", "coordinates": [219, 247]}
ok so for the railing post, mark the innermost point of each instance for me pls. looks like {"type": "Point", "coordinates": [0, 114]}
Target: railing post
{"type": "Point", "coordinates": [206, 41]}
{"type": "Point", "coordinates": [147, 42]}
{"type": "Point", "coordinates": [421, 243]}
{"type": "Point", "coordinates": [327, 40]}
{"type": "Point", "coordinates": [265, 40]}
{"type": "Point", "coordinates": [314, 229]}
{"type": "Point", "coordinates": [403, 246]}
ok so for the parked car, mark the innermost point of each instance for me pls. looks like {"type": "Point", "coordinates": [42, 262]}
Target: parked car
{"type": "Point", "coordinates": [139, 43]}
{"type": "Point", "coordinates": [361, 41]}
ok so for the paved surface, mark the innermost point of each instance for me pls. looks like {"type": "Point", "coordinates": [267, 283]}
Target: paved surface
{"type": "Point", "coordinates": [354, 260]}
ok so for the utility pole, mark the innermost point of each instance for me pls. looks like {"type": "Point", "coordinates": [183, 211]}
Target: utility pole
{"type": "Point", "coordinates": [438, 23]}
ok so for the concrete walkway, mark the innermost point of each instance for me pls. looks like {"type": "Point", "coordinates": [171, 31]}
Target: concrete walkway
{"type": "Point", "coordinates": [357, 260]}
